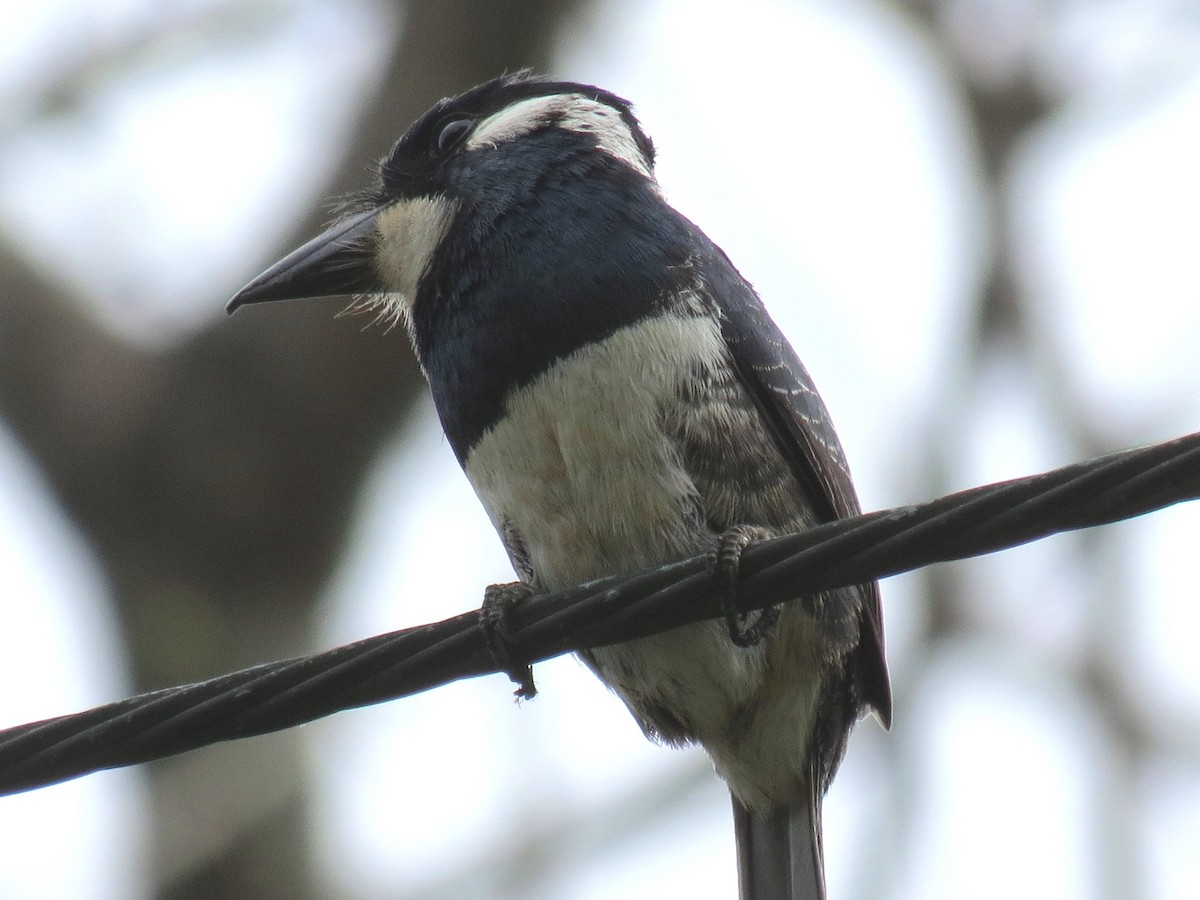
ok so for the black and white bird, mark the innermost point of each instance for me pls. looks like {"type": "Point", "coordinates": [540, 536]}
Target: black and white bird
{"type": "Point", "coordinates": [619, 398]}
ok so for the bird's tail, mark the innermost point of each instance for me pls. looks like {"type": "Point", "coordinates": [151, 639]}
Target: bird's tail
{"type": "Point", "coordinates": [779, 853]}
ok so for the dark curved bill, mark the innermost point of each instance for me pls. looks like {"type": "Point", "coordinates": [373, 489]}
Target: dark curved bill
{"type": "Point", "coordinates": [336, 262]}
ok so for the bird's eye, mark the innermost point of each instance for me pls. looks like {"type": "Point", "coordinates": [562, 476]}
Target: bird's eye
{"type": "Point", "coordinates": [449, 134]}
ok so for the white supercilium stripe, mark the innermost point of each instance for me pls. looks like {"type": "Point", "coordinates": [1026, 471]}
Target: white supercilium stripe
{"type": "Point", "coordinates": [574, 112]}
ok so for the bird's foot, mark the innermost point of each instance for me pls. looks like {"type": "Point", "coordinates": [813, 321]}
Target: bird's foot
{"type": "Point", "coordinates": [498, 600]}
{"type": "Point", "coordinates": [724, 561]}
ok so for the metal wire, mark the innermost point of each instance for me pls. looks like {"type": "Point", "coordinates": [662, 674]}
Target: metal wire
{"type": "Point", "coordinates": [280, 695]}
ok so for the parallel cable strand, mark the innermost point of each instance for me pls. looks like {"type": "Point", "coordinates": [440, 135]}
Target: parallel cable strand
{"type": "Point", "coordinates": [281, 695]}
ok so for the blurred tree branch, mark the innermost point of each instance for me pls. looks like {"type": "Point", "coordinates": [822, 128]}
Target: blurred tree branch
{"type": "Point", "coordinates": [1007, 102]}
{"type": "Point", "coordinates": [215, 480]}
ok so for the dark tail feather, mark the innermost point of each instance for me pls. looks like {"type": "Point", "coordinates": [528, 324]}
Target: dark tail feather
{"type": "Point", "coordinates": [779, 854]}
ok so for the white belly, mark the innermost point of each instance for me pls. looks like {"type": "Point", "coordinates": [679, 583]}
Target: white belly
{"type": "Point", "coordinates": [581, 469]}
{"type": "Point", "coordinates": [580, 465]}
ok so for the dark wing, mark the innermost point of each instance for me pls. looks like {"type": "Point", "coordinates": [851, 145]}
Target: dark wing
{"type": "Point", "coordinates": [781, 388]}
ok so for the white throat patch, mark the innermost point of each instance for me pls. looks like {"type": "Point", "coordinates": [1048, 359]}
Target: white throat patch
{"type": "Point", "coordinates": [573, 112]}
{"type": "Point", "coordinates": [408, 234]}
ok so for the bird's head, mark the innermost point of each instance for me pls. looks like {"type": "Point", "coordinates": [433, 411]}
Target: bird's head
{"type": "Point", "coordinates": [468, 162]}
